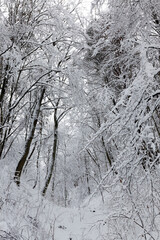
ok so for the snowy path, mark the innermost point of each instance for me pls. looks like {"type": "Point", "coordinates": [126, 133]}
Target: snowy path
{"type": "Point", "coordinates": [44, 220]}
{"type": "Point", "coordinates": [78, 224]}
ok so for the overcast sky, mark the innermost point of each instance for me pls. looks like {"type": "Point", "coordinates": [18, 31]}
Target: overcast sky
{"type": "Point", "coordinates": [86, 6]}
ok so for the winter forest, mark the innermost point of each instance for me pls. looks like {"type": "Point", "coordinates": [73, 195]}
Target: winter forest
{"type": "Point", "coordinates": [79, 120]}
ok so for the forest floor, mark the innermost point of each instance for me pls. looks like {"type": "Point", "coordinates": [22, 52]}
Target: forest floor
{"type": "Point", "coordinates": [86, 222]}
{"type": "Point", "coordinates": [28, 216]}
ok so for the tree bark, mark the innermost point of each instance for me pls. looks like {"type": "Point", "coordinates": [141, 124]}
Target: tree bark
{"type": "Point", "coordinates": [3, 87]}
{"type": "Point", "coordinates": [23, 159]}
{"type": "Point", "coordinates": [54, 153]}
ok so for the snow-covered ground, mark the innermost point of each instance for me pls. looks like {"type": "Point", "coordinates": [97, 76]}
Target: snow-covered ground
{"type": "Point", "coordinates": [30, 217]}
{"type": "Point", "coordinates": [26, 215]}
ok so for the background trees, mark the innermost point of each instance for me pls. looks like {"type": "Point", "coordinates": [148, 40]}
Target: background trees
{"type": "Point", "coordinates": [35, 88]}
{"type": "Point", "coordinates": [118, 60]}
{"type": "Point", "coordinates": [79, 110]}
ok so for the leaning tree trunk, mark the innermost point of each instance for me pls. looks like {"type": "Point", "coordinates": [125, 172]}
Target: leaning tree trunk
{"type": "Point", "coordinates": [54, 153]}
{"type": "Point", "coordinates": [3, 87]}
{"type": "Point", "coordinates": [23, 159]}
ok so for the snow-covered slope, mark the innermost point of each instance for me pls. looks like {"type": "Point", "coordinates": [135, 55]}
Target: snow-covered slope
{"type": "Point", "coordinates": [26, 215]}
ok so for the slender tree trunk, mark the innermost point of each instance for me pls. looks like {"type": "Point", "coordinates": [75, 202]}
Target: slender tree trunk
{"type": "Point", "coordinates": [3, 87]}
{"type": "Point", "coordinates": [65, 177]}
{"type": "Point", "coordinates": [54, 153]}
{"type": "Point", "coordinates": [23, 159]}
{"type": "Point", "coordinates": [87, 175]}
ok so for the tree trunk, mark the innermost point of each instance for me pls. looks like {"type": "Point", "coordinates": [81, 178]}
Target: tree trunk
{"type": "Point", "coordinates": [23, 159]}
{"type": "Point", "coordinates": [54, 153]}
{"type": "Point", "coordinates": [3, 87]}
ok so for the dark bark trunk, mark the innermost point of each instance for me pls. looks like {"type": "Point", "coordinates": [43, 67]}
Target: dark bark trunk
{"type": "Point", "coordinates": [23, 159]}
{"type": "Point", "coordinates": [87, 175]}
{"type": "Point", "coordinates": [54, 153]}
{"type": "Point", "coordinates": [2, 95]}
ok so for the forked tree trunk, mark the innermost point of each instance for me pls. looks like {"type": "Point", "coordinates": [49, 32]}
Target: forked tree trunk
{"type": "Point", "coordinates": [23, 159]}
